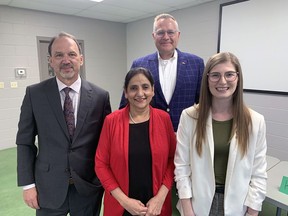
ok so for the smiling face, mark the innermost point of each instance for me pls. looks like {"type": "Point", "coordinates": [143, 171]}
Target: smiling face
{"type": "Point", "coordinates": [166, 44]}
{"type": "Point", "coordinates": [65, 59]}
{"type": "Point", "coordinates": [223, 89]}
{"type": "Point", "coordinates": [139, 92]}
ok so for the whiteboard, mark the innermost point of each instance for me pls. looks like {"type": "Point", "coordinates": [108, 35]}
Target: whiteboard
{"type": "Point", "coordinates": [256, 31]}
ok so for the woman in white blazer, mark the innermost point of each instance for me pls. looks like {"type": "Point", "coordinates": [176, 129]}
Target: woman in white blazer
{"type": "Point", "coordinates": [220, 159]}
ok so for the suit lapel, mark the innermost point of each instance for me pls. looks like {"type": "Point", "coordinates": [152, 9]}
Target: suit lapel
{"type": "Point", "coordinates": [181, 70]}
{"type": "Point", "coordinates": [154, 67]}
{"type": "Point", "coordinates": [52, 93]}
{"type": "Point", "coordinates": [210, 139]}
{"type": "Point", "coordinates": [233, 150]}
{"type": "Point", "coordinates": [85, 102]}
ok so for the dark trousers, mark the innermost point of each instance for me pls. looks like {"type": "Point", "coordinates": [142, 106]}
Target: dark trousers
{"type": "Point", "coordinates": [175, 199]}
{"type": "Point", "coordinates": [76, 205]}
{"type": "Point", "coordinates": [217, 208]}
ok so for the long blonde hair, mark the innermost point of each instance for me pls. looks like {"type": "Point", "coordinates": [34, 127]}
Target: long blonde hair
{"type": "Point", "coordinates": [241, 115]}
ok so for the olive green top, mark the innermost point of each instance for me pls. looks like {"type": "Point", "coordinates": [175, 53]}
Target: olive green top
{"type": "Point", "coordinates": [221, 134]}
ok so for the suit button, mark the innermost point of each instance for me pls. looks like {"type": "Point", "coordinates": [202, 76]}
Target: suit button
{"type": "Point", "coordinates": [67, 170]}
{"type": "Point", "coordinates": [168, 109]}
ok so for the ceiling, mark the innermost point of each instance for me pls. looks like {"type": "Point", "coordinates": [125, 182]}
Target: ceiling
{"type": "Point", "coordinates": [123, 11]}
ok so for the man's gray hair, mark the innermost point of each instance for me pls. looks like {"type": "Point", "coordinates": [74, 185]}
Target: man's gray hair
{"type": "Point", "coordinates": [164, 16]}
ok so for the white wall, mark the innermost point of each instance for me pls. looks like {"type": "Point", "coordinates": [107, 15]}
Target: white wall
{"type": "Point", "coordinates": [105, 57]}
{"type": "Point", "coordinates": [275, 110]}
{"type": "Point", "coordinates": [199, 35]}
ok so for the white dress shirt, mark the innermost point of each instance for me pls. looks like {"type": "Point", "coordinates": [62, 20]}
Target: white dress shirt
{"type": "Point", "coordinates": [168, 75]}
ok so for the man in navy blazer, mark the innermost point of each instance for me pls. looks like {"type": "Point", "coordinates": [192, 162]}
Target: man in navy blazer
{"type": "Point", "coordinates": [177, 75]}
{"type": "Point", "coordinates": [56, 169]}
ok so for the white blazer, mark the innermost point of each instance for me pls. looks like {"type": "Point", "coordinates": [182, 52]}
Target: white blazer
{"type": "Point", "coordinates": [245, 184]}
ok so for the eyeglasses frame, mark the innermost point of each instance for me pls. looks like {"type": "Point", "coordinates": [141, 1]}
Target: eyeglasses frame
{"type": "Point", "coordinates": [165, 32]}
{"type": "Point", "coordinates": [234, 72]}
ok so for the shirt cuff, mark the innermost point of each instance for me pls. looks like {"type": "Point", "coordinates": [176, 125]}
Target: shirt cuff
{"type": "Point", "coordinates": [26, 187]}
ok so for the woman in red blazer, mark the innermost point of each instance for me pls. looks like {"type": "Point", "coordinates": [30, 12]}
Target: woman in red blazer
{"type": "Point", "coordinates": [135, 153]}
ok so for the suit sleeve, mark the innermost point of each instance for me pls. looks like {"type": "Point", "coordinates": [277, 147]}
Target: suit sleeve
{"type": "Point", "coordinates": [107, 105]}
{"type": "Point", "coordinates": [25, 140]}
{"type": "Point", "coordinates": [200, 72]}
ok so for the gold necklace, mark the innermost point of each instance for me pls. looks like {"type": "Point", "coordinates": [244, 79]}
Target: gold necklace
{"type": "Point", "coordinates": [131, 118]}
{"type": "Point", "coordinates": [133, 121]}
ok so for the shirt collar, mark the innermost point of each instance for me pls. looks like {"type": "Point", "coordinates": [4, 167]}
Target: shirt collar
{"type": "Point", "coordinates": [175, 56]}
{"type": "Point", "coordinates": [75, 86]}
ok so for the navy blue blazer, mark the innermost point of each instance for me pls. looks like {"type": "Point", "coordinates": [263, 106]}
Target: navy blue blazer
{"type": "Point", "coordinates": [187, 89]}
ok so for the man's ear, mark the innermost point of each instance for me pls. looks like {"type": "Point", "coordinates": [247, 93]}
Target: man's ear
{"type": "Point", "coordinates": [82, 60]}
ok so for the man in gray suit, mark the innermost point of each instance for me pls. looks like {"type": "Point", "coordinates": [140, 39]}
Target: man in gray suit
{"type": "Point", "coordinates": [57, 171]}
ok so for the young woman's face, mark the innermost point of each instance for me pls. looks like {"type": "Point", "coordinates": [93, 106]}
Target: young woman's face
{"type": "Point", "coordinates": [227, 84]}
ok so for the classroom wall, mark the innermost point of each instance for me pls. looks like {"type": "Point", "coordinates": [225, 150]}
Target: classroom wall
{"type": "Point", "coordinates": [105, 57]}
{"type": "Point", "coordinates": [121, 44]}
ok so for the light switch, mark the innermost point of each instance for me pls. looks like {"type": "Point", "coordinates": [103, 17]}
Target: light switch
{"type": "Point", "coordinates": [1, 85]}
{"type": "Point", "coordinates": [14, 84]}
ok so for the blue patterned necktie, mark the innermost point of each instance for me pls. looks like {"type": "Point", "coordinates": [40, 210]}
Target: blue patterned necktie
{"type": "Point", "coordinates": [69, 112]}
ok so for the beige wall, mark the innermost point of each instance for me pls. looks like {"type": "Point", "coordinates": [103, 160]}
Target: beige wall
{"type": "Point", "coordinates": [105, 57]}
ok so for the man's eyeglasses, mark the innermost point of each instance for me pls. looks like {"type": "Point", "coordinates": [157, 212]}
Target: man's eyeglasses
{"type": "Point", "coordinates": [229, 76]}
{"type": "Point", "coordinates": [161, 33]}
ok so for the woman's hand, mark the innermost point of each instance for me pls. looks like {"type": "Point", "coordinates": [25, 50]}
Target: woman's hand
{"type": "Point", "coordinates": [155, 203]}
{"type": "Point", "coordinates": [251, 212]}
{"type": "Point", "coordinates": [135, 207]}
{"type": "Point", "coordinates": [154, 206]}
{"type": "Point", "coordinates": [187, 207]}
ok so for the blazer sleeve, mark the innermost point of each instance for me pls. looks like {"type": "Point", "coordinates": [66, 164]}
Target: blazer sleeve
{"type": "Point", "coordinates": [257, 187]}
{"type": "Point", "coordinates": [182, 158]}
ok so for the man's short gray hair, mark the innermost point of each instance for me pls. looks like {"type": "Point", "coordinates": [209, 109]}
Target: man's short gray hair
{"type": "Point", "coordinates": [164, 16]}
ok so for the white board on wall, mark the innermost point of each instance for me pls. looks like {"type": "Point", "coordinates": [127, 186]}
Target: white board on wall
{"type": "Point", "coordinates": [256, 31]}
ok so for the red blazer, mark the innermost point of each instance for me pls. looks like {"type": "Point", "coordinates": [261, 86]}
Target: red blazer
{"type": "Point", "coordinates": [112, 156]}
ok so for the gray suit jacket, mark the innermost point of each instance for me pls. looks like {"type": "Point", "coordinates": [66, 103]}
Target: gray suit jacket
{"type": "Point", "coordinates": [49, 161]}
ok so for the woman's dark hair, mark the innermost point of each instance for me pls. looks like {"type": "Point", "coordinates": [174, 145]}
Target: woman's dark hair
{"type": "Point", "coordinates": [135, 71]}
